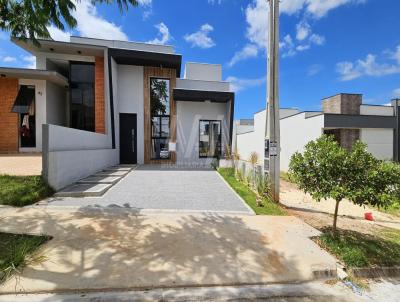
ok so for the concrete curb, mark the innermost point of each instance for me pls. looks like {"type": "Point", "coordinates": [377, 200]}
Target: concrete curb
{"type": "Point", "coordinates": [376, 272]}
{"type": "Point", "coordinates": [313, 291]}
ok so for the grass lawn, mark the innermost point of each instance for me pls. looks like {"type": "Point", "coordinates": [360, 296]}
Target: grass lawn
{"type": "Point", "coordinates": [20, 191]}
{"type": "Point", "coordinates": [361, 250]}
{"type": "Point", "coordinates": [16, 251]}
{"type": "Point", "coordinates": [269, 207]}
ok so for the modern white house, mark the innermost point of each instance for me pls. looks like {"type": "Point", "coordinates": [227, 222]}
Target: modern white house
{"type": "Point", "coordinates": [93, 103]}
{"type": "Point", "coordinates": [342, 115]}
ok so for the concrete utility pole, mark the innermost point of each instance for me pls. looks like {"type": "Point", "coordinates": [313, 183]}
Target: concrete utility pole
{"type": "Point", "coordinates": [272, 130]}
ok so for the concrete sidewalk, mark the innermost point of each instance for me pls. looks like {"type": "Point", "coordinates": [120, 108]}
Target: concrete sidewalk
{"type": "Point", "coordinates": [120, 249]}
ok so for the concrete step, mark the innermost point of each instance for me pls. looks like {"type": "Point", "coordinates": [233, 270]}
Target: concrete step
{"type": "Point", "coordinates": [118, 168]}
{"type": "Point", "coordinates": [101, 179]}
{"type": "Point", "coordinates": [111, 173]}
{"type": "Point", "coordinates": [84, 190]}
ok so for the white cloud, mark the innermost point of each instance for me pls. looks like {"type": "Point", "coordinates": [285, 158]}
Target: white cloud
{"type": "Point", "coordinates": [8, 59]}
{"type": "Point", "coordinates": [303, 30]}
{"type": "Point", "coordinates": [290, 48]}
{"type": "Point", "coordinates": [257, 23]}
{"type": "Point", "coordinates": [256, 14]}
{"type": "Point", "coordinates": [215, 1]}
{"type": "Point", "coordinates": [396, 93]}
{"type": "Point", "coordinates": [317, 39]}
{"type": "Point", "coordinates": [58, 34]}
{"type": "Point", "coordinates": [319, 8]}
{"type": "Point", "coordinates": [238, 84]}
{"type": "Point", "coordinates": [30, 62]}
{"type": "Point", "coordinates": [396, 55]}
{"type": "Point", "coordinates": [366, 67]}
{"type": "Point", "coordinates": [163, 35]}
{"type": "Point", "coordinates": [315, 8]}
{"type": "Point", "coordinates": [200, 38]}
{"type": "Point", "coordinates": [91, 24]}
{"type": "Point", "coordinates": [314, 70]}
{"type": "Point", "coordinates": [249, 51]}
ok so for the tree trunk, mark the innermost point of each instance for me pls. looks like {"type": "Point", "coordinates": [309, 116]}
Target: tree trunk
{"type": "Point", "coordinates": [335, 216]}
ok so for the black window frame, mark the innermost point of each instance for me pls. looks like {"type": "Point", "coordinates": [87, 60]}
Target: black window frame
{"type": "Point", "coordinates": [160, 117]}
{"type": "Point", "coordinates": [71, 104]}
{"type": "Point", "coordinates": [219, 145]}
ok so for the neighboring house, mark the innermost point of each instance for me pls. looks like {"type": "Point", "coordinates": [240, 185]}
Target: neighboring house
{"type": "Point", "coordinates": [92, 103]}
{"type": "Point", "coordinates": [342, 115]}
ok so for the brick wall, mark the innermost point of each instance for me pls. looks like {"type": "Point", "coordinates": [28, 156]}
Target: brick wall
{"type": "Point", "coordinates": [342, 104]}
{"type": "Point", "coordinates": [8, 119]}
{"type": "Point", "coordinates": [348, 137]}
{"type": "Point", "coordinates": [99, 105]}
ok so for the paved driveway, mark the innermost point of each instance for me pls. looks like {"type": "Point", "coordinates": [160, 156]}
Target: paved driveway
{"type": "Point", "coordinates": [157, 188]}
{"type": "Point", "coordinates": [21, 164]}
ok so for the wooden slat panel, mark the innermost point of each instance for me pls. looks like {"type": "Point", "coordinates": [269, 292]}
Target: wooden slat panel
{"type": "Point", "coordinates": [157, 72]}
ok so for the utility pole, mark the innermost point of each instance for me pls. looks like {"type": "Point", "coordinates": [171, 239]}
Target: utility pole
{"type": "Point", "coordinates": [272, 129]}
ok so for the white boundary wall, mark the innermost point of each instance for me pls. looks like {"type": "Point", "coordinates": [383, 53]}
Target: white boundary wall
{"type": "Point", "coordinates": [296, 132]}
{"type": "Point", "coordinates": [71, 154]}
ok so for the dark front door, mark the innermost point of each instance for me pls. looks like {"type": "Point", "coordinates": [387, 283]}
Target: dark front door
{"type": "Point", "coordinates": [128, 138]}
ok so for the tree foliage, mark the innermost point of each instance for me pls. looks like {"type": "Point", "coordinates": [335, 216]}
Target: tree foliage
{"type": "Point", "coordinates": [159, 100]}
{"type": "Point", "coordinates": [325, 170]}
{"type": "Point", "coordinates": [29, 19]}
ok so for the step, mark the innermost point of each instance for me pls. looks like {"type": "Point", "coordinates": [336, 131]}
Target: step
{"type": "Point", "coordinates": [111, 173]}
{"type": "Point", "coordinates": [84, 190]}
{"type": "Point", "coordinates": [101, 179]}
{"type": "Point", "coordinates": [118, 168]}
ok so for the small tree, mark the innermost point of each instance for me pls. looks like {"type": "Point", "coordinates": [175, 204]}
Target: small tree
{"type": "Point", "coordinates": [325, 170]}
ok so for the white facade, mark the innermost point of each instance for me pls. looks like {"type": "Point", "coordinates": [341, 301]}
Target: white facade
{"type": "Point", "coordinates": [189, 115]}
{"type": "Point", "coordinates": [379, 142]}
{"type": "Point", "coordinates": [204, 72]}
{"type": "Point", "coordinates": [298, 128]}
{"type": "Point", "coordinates": [130, 100]}
{"type": "Point", "coordinates": [70, 154]}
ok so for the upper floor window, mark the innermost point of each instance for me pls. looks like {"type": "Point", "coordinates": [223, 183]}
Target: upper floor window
{"type": "Point", "coordinates": [82, 95]}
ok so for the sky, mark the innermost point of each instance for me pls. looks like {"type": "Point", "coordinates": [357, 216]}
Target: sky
{"type": "Point", "coordinates": [326, 46]}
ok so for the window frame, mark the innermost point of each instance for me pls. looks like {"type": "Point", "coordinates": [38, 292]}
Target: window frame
{"type": "Point", "coordinates": [159, 117]}
{"type": "Point", "coordinates": [83, 108]}
{"type": "Point", "coordinates": [219, 138]}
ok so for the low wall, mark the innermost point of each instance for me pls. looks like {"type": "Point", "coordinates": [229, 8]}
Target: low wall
{"type": "Point", "coordinates": [71, 154]}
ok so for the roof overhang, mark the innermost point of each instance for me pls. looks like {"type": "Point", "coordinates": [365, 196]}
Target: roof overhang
{"type": "Point", "coordinates": [189, 95]}
{"type": "Point", "coordinates": [359, 121]}
{"type": "Point", "coordinates": [146, 58]}
{"type": "Point", "coordinates": [69, 48]}
{"type": "Point", "coordinates": [34, 74]}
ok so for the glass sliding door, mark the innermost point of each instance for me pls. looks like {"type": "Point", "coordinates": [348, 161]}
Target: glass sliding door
{"type": "Point", "coordinates": [209, 138]}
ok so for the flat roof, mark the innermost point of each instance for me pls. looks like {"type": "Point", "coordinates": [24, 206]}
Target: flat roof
{"type": "Point", "coordinates": [132, 45]}
{"type": "Point", "coordinates": [51, 46]}
{"type": "Point", "coordinates": [146, 58]}
{"type": "Point", "coordinates": [34, 74]}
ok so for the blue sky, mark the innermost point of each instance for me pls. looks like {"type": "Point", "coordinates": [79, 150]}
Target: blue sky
{"type": "Point", "coordinates": [327, 46]}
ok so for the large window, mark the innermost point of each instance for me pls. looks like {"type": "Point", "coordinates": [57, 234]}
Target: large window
{"type": "Point", "coordinates": [160, 119]}
{"type": "Point", "coordinates": [209, 138]}
{"type": "Point", "coordinates": [82, 95]}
